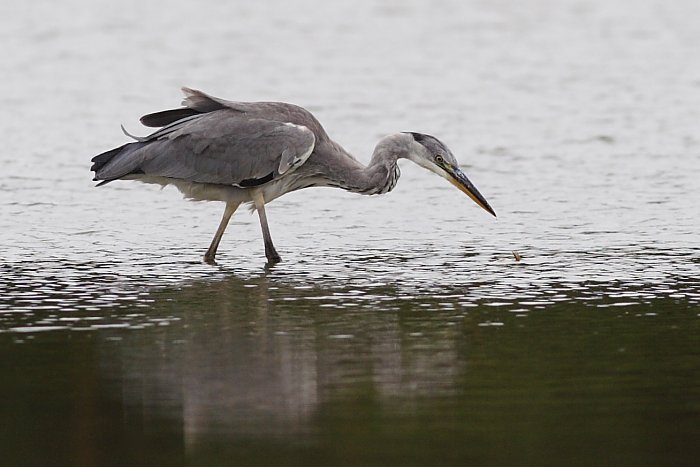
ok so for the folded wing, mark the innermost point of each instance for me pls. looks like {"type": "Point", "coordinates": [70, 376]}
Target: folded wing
{"type": "Point", "coordinates": [221, 146]}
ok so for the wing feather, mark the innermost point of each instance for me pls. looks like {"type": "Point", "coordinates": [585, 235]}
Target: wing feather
{"type": "Point", "coordinates": [219, 147]}
{"type": "Point", "coordinates": [166, 117]}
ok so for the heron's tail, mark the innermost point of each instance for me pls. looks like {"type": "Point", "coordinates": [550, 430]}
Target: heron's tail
{"type": "Point", "coordinates": [115, 163]}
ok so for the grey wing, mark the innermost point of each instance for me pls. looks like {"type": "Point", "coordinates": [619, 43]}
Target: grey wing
{"type": "Point", "coordinates": [195, 102]}
{"type": "Point", "coordinates": [221, 147]}
{"type": "Point", "coordinates": [203, 102]}
{"type": "Point", "coordinates": [198, 103]}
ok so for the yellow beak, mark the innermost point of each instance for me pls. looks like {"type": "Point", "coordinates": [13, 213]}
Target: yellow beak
{"type": "Point", "coordinates": [460, 180]}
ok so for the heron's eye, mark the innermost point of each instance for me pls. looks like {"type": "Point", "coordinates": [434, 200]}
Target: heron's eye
{"type": "Point", "coordinates": [439, 159]}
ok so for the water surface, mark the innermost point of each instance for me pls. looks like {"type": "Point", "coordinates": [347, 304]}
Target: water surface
{"type": "Point", "coordinates": [398, 329]}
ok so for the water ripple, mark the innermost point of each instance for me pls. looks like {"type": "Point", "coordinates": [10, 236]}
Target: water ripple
{"type": "Point", "coordinates": [53, 295]}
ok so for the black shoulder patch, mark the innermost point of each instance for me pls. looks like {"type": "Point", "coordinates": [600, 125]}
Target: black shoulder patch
{"type": "Point", "coordinates": [251, 182]}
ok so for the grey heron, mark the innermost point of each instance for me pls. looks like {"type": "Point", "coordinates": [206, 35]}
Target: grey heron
{"type": "Point", "coordinates": [254, 152]}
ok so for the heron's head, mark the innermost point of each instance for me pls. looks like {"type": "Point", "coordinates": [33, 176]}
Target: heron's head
{"type": "Point", "coordinates": [432, 154]}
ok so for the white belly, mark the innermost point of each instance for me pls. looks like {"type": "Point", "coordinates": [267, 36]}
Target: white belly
{"type": "Point", "coordinates": [212, 192]}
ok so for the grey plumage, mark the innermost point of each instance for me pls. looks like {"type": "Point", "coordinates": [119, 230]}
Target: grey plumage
{"type": "Point", "coordinates": [219, 147]}
{"type": "Point", "coordinates": [236, 152]}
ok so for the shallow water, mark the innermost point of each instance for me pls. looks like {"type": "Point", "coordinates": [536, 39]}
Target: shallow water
{"type": "Point", "coordinates": [398, 329]}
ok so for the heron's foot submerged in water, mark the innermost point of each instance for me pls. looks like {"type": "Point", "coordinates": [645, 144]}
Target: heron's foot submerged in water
{"type": "Point", "coordinates": [272, 256]}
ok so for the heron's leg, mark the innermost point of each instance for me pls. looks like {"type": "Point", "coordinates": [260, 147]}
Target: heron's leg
{"type": "Point", "coordinates": [270, 252]}
{"type": "Point", "coordinates": [210, 255]}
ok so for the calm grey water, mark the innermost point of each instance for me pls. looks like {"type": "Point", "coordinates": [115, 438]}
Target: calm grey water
{"type": "Point", "coordinates": [399, 329]}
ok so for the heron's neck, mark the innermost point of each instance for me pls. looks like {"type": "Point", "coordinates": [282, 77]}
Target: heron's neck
{"type": "Point", "coordinates": [381, 174]}
{"type": "Point", "coordinates": [336, 167]}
